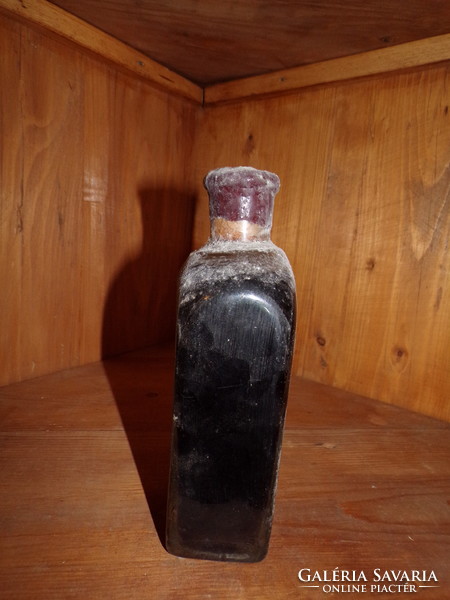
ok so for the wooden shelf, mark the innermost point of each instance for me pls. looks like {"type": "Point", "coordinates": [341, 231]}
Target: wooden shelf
{"type": "Point", "coordinates": [84, 461]}
{"type": "Point", "coordinates": [53, 20]}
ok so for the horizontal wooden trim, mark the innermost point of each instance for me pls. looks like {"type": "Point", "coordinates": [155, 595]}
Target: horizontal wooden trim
{"type": "Point", "coordinates": [62, 23]}
{"type": "Point", "coordinates": [403, 56]}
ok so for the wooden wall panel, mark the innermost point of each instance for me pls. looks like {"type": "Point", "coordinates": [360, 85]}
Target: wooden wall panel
{"type": "Point", "coordinates": [364, 215]}
{"type": "Point", "coordinates": [96, 207]}
{"type": "Point", "coordinates": [11, 221]}
{"type": "Point", "coordinates": [100, 171]}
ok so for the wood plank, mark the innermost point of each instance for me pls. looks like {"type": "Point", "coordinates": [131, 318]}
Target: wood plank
{"type": "Point", "coordinates": [98, 90]}
{"type": "Point", "coordinates": [82, 496]}
{"type": "Point", "coordinates": [212, 42]}
{"type": "Point", "coordinates": [364, 215]}
{"type": "Point", "coordinates": [36, 188]}
{"type": "Point", "coordinates": [95, 167]}
{"type": "Point", "coordinates": [11, 196]}
{"type": "Point", "coordinates": [53, 19]}
{"type": "Point", "coordinates": [384, 60]}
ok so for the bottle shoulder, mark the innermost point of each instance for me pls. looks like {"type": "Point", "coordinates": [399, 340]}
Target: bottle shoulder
{"type": "Point", "coordinates": [224, 264]}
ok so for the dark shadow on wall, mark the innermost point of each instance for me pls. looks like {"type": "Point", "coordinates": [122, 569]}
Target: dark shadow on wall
{"type": "Point", "coordinates": [139, 313]}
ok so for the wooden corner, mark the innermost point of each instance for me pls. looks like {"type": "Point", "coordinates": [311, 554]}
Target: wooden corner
{"type": "Point", "coordinates": [52, 18]}
{"type": "Point", "coordinates": [385, 60]}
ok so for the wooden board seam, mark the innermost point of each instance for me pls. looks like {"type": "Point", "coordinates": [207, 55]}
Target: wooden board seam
{"type": "Point", "coordinates": [402, 56]}
{"type": "Point", "coordinates": [418, 53]}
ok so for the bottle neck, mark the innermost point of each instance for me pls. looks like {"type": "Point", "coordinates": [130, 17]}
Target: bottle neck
{"type": "Point", "coordinates": [241, 203]}
{"type": "Point", "coordinates": [238, 231]}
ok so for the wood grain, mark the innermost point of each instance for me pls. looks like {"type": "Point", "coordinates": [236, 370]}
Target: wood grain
{"type": "Point", "coordinates": [94, 170]}
{"type": "Point", "coordinates": [403, 56]}
{"type": "Point", "coordinates": [362, 485]}
{"type": "Point", "coordinates": [364, 215]}
{"type": "Point", "coordinates": [52, 19]}
{"type": "Point", "coordinates": [11, 205]}
{"type": "Point", "coordinates": [96, 164]}
{"type": "Point", "coordinates": [212, 42]}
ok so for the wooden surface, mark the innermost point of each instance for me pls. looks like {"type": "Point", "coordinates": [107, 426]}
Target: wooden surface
{"type": "Point", "coordinates": [96, 205]}
{"type": "Point", "coordinates": [223, 40]}
{"type": "Point", "coordinates": [364, 216]}
{"type": "Point", "coordinates": [84, 458]}
{"type": "Point", "coordinates": [385, 60]}
{"type": "Point", "coordinates": [323, 60]}
{"type": "Point", "coordinates": [96, 164]}
{"type": "Point", "coordinates": [53, 20]}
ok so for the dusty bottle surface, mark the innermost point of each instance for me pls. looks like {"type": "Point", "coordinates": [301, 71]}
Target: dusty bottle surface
{"type": "Point", "coordinates": [235, 333]}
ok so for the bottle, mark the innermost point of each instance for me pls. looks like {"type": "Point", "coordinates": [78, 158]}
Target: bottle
{"type": "Point", "coordinates": [235, 334]}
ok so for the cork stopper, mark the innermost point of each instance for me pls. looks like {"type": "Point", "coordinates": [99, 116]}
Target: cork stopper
{"type": "Point", "coordinates": [242, 194]}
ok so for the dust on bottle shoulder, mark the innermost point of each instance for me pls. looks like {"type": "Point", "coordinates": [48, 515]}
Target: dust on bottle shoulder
{"type": "Point", "coordinates": [233, 263]}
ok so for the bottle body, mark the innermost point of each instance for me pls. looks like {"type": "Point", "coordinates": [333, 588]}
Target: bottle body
{"type": "Point", "coordinates": [235, 335]}
{"type": "Point", "coordinates": [234, 348]}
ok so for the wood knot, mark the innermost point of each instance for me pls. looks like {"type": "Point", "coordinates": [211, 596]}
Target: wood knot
{"type": "Point", "coordinates": [249, 144]}
{"type": "Point", "coordinates": [399, 357]}
{"type": "Point", "coordinates": [370, 264]}
{"type": "Point", "coordinates": [321, 340]}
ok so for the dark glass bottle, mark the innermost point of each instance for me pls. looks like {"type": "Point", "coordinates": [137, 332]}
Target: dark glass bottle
{"type": "Point", "coordinates": [235, 333]}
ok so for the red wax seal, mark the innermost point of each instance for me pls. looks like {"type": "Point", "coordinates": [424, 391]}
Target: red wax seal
{"type": "Point", "coordinates": [242, 193]}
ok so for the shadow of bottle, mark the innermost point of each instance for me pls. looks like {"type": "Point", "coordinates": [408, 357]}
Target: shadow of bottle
{"type": "Point", "coordinates": [139, 316]}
